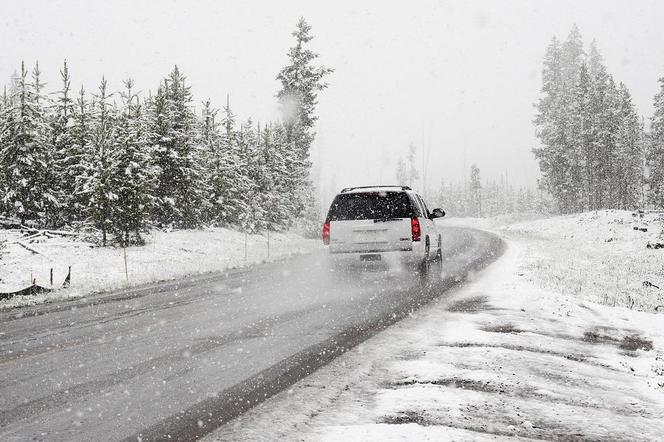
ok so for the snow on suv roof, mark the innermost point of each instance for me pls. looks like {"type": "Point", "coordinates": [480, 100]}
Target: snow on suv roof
{"type": "Point", "coordinates": [373, 189]}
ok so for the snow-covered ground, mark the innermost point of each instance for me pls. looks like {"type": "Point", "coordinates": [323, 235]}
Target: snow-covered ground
{"type": "Point", "coordinates": [597, 256]}
{"type": "Point", "coordinates": [166, 255]}
{"type": "Point", "coordinates": [515, 354]}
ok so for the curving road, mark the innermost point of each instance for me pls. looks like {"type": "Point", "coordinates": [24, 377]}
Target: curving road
{"type": "Point", "coordinates": [176, 360]}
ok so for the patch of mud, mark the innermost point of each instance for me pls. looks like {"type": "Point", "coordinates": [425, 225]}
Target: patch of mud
{"type": "Point", "coordinates": [408, 417]}
{"type": "Point", "coordinates": [570, 356]}
{"type": "Point", "coordinates": [464, 384]}
{"type": "Point", "coordinates": [412, 355]}
{"type": "Point", "coordinates": [635, 342]}
{"type": "Point", "coordinates": [499, 425]}
{"type": "Point", "coordinates": [503, 328]}
{"type": "Point", "coordinates": [595, 337]}
{"type": "Point", "coordinates": [522, 391]}
{"type": "Point", "coordinates": [629, 343]}
{"type": "Point", "coordinates": [471, 305]}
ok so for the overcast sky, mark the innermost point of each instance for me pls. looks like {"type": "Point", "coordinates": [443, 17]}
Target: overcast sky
{"type": "Point", "coordinates": [457, 78]}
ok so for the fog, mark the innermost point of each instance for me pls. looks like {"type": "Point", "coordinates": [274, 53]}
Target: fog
{"type": "Point", "coordinates": [457, 79]}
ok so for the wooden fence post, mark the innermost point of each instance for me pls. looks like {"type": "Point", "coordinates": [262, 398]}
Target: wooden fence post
{"type": "Point", "coordinates": [124, 251]}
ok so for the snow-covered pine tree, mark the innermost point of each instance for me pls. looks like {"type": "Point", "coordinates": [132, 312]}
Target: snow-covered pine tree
{"type": "Point", "coordinates": [583, 147]}
{"type": "Point", "coordinates": [604, 107]}
{"type": "Point", "coordinates": [655, 158]}
{"type": "Point", "coordinates": [67, 159]}
{"type": "Point", "coordinates": [301, 81]}
{"type": "Point", "coordinates": [264, 177]}
{"type": "Point", "coordinates": [49, 178]}
{"type": "Point", "coordinates": [413, 173]}
{"type": "Point", "coordinates": [25, 153]}
{"type": "Point", "coordinates": [476, 189]}
{"type": "Point", "coordinates": [272, 182]}
{"type": "Point", "coordinates": [132, 177]}
{"type": "Point", "coordinates": [158, 129]}
{"type": "Point", "coordinates": [629, 155]}
{"type": "Point", "coordinates": [232, 195]}
{"type": "Point", "coordinates": [181, 188]}
{"type": "Point", "coordinates": [215, 162]}
{"type": "Point", "coordinates": [552, 109]}
{"type": "Point", "coordinates": [251, 219]}
{"type": "Point", "coordinates": [5, 131]}
{"type": "Point", "coordinates": [287, 191]}
{"type": "Point", "coordinates": [78, 157]}
{"type": "Point", "coordinates": [558, 122]}
{"type": "Point", "coordinates": [580, 119]}
{"type": "Point", "coordinates": [99, 163]}
{"type": "Point", "coordinates": [402, 172]}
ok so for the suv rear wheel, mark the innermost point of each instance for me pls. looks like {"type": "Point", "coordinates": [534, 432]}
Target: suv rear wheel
{"type": "Point", "coordinates": [425, 265]}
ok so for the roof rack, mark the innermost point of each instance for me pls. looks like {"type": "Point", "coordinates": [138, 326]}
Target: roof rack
{"type": "Point", "coordinates": [348, 189]}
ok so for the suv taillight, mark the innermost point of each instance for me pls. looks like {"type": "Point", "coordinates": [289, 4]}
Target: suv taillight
{"type": "Point", "coordinates": [415, 228]}
{"type": "Point", "coordinates": [326, 232]}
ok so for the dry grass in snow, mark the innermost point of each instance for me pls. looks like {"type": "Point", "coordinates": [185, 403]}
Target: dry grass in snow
{"type": "Point", "coordinates": [594, 256]}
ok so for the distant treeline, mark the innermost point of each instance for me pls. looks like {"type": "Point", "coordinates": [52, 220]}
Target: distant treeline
{"type": "Point", "coordinates": [596, 152]}
{"type": "Point", "coordinates": [118, 163]}
{"type": "Point", "coordinates": [475, 198]}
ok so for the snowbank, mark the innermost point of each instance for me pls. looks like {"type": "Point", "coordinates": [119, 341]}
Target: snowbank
{"type": "Point", "coordinates": [166, 255]}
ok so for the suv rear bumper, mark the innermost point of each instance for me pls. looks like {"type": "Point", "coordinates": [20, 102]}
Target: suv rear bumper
{"type": "Point", "coordinates": [385, 259]}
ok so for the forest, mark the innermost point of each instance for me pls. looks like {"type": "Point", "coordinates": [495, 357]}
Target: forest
{"type": "Point", "coordinates": [596, 151]}
{"type": "Point", "coordinates": [117, 163]}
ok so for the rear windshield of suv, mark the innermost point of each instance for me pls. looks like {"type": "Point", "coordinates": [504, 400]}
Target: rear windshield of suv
{"type": "Point", "coordinates": [371, 205]}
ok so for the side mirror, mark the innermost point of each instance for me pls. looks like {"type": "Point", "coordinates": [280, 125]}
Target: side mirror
{"type": "Point", "coordinates": [437, 213]}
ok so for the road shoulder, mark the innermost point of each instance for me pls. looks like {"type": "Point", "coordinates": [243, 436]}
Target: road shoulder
{"type": "Point", "coordinates": [497, 358]}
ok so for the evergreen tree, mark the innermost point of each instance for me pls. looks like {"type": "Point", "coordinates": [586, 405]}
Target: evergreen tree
{"type": "Point", "coordinates": [655, 159]}
{"type": "Point", "coordinates": [67, 159]}
{"type": "Point", "coordinates": [551, 124]}
{"type": "Point", "coordinates": [476, 189]}
{"type": "Point", "coordinates": [132, 178]}
{"type": "Point", "coordinates": [78, 158]}
{"type": "Point", "coordinates": [210, 139]}
{"type": "Point", "coordinates": [25, 153]}
{"type": "Point", "coordinates": [581, 152]}
{"type": "Point", "coordinates": [181, 191]}
{"type": "Point", "coordinates": [100, 163]}
{"type": "Point", "coordinates": [590, 150]}
{"type": "Point", "coordinates": [402, 173]}
{"type": "Point", "coordinates": [628, 171]}
{"type": "Point", "coordinates": [413, 173]}
{"type": "Point", "coordinates": [250, 219]}
{"type": "Point", "coordinates": [232, 182]}
{"type": "Point", "coordinates": [301, 81]}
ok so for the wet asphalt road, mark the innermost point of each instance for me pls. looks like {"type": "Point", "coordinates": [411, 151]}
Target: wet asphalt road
{"type": "Point", "coordinates": [175, 360]}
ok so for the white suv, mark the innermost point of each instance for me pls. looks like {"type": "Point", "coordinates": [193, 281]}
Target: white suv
{"type": "Point", "coordinates": [382, 223]}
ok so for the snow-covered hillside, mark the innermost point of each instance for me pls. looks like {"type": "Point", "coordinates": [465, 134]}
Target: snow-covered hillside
{"type": "Point", "coordinates": [166, 255]}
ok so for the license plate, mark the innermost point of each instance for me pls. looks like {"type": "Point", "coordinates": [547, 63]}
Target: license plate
{"type": "Point", "coordinates": [370, 257]}
{"type": "Point", "coordinates": [367, 236]}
